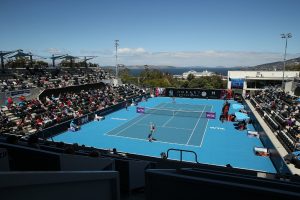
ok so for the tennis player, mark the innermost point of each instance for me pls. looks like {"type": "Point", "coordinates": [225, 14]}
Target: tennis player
{"type": "Point", "coordinates": [173, 100]}
{"type": "Point", "coordinates": [152, 129]}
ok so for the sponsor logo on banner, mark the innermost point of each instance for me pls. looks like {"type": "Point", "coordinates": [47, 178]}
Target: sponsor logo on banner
{"type": "Point", "coordinates": [217, 128]}
{"type": "Point", "coordinates": [211, 115]}
{"type": "Point", "coordinates": [140, 110]}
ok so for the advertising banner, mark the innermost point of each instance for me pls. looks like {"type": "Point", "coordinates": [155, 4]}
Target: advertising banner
{"type": "Point", "coordinates": [140, 110]}
{"type": "Point", "coordinates": [211, 115]}
{"type": "Point", "coordinates": [195, 93]}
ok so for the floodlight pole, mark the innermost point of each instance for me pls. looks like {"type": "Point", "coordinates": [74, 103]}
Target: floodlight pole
{"type": "Point", "coordinates": [117, 45]}
{"type": "Point", "coordinates": [2, 63]}
{"type": "Point", "coordinates": [286, 37]}
{"type": "Point", "coordinates": [53, 61]}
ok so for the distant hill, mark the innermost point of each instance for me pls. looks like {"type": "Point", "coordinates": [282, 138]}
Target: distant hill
{"type": "Point", "coordinates": [144, 66]}
{"type": "Point", "coordinates": [292, 64]}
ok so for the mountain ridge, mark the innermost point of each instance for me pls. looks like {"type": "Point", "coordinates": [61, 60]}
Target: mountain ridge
{"type": "Point", "coordinates": [272, 66]}
{"type": "Point", "coordinates": [276, 65]}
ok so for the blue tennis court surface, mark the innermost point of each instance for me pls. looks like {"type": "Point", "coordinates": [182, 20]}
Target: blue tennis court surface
{"type": "Point", "coordinates": [213, 141]}
{"type": "Point", "coordinates": [179, 127]}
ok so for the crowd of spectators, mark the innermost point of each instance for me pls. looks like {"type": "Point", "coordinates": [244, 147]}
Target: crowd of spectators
{"type": "Point", "coordinates": [29, 116]}
{"type": "Point", "coordinates": [56, 78]}
{"type": "Point", "coordinates": [282, 110]}
{"type": "Point", "coordinates": [13, 84]}
{"type": "Point", "coordinates": [19, 118]}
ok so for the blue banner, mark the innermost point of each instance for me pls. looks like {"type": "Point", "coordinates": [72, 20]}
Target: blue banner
{"type": "Point", "coordinates": [237, 83]}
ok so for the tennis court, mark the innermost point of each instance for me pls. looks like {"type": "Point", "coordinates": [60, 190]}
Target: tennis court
{"type": "Point", "coordinates": [180, 125]}
{"type": "Point", "coordinates": [176, 123]}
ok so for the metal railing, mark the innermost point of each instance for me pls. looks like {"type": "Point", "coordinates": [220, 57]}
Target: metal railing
{"type": "Point", "coordinates": [182, 150]}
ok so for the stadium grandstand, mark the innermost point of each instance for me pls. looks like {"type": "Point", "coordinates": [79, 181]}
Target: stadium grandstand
{"type": "Point", "coordinates": [74, 133]}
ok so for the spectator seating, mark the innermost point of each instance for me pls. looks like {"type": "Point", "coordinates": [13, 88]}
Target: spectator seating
{"type": "Point", "coordinates": [272, 124]}
{"type": "Point", "coordinates": [281, 113]}
{"type": "Point", "coordinates": [54, 78]}
{"type": "Point", "coordinates": [286, 141]}
{"type": "Point", "coordinates": [30, 116]}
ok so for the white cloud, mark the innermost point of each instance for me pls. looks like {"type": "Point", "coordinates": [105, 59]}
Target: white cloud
{"type": "Point", "coordinates": [103, 52]}
{"type": "Point", "coordinates": [57, 51]}
{"type": "Point", "coordinates": [53, 50]}
{"type": "Point", "coordinates": [131, 51]}
{"type": "Point", "coordinates": [208, 58]}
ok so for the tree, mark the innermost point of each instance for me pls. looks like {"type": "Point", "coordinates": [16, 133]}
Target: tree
{"type": "Point", "coordinates": [293, 67]}
{"type": "Point", "coordinates": [195, 83]}
{"type": "Point", "coordinates": [19, 62]}
{"type": "Point", "coordinates": [125, 72]}
{"type": "Point", "coordinates": [190, 77]}
{"type": "Point", "coordinates": [155, 78]}
{"type": "Point", "coordinates": [126, 77]}
{"type": "Point", "coordinates": [65, 63]}
{"type": "Point", "coordinates": [184, 84]}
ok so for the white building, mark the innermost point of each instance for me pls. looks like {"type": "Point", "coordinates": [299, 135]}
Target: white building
{"type": "Point", "coordinates": [257, 80]}
{"type": "Point", "coordinates": [197, 74]}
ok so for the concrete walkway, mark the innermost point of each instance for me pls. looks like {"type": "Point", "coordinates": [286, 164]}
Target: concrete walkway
{"type": "Point", "coordinates": [281, 150]}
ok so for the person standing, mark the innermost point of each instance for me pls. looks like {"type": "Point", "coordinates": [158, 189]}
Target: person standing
{"type": "Point", "coordinates": [152, 129]}
{"type": "Point", "coordinates": [173, 99]}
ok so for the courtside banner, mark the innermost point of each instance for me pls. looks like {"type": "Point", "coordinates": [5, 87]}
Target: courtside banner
{"type": "Point", "coordinates": [195, 93]}
{"type": "Point", "coordinates": [211, 115]}
{"type": "Point", "coordinates": [140, 110]}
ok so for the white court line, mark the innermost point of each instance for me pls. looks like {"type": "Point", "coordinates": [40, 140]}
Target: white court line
{"type": "Point", "coordinates": [169, 119]}
{"type": "Point", "coordinates": [121, 125]}
{"type": "Point", "coordinates": [156, 141]}
{"type": "Point", "coordinates": [131, 125]}
{"type": "Point", "coordinates": [116, 118]}
{"type": "Point", "coordinates": [145, 115]}
{"type": "Point", "coordinates": [196, 126]}
{"type": "Point", "coordinates": [160, 105]}
{"type": "Point", "coordinates": [188, 129]}
{"type": "Point", "coordinates": [205, 128]}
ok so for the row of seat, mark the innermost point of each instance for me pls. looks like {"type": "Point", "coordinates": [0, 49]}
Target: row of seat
{"type": "Point", "coordinates": [276, 124]}
{"type": "Point", "coordinates": [285, 141]}
{"type": "Point", "coordinates": [272, 124]}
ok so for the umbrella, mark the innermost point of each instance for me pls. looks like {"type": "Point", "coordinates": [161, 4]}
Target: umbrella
{"type": "Point", "coordinates": [241, 116]}
{"type": "Point", "coordinates": [237, 106]}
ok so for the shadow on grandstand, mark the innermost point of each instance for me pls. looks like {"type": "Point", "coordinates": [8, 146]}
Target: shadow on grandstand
{"type": "Point", "coordinates": [36, 168]}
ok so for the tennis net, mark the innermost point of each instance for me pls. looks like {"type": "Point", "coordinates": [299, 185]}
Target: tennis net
{"type": "Point", "coordinates": [179, 113]}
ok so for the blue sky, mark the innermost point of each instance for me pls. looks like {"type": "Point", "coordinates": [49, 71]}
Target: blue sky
{"type": "Point", "coordinates": [154, 32]}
